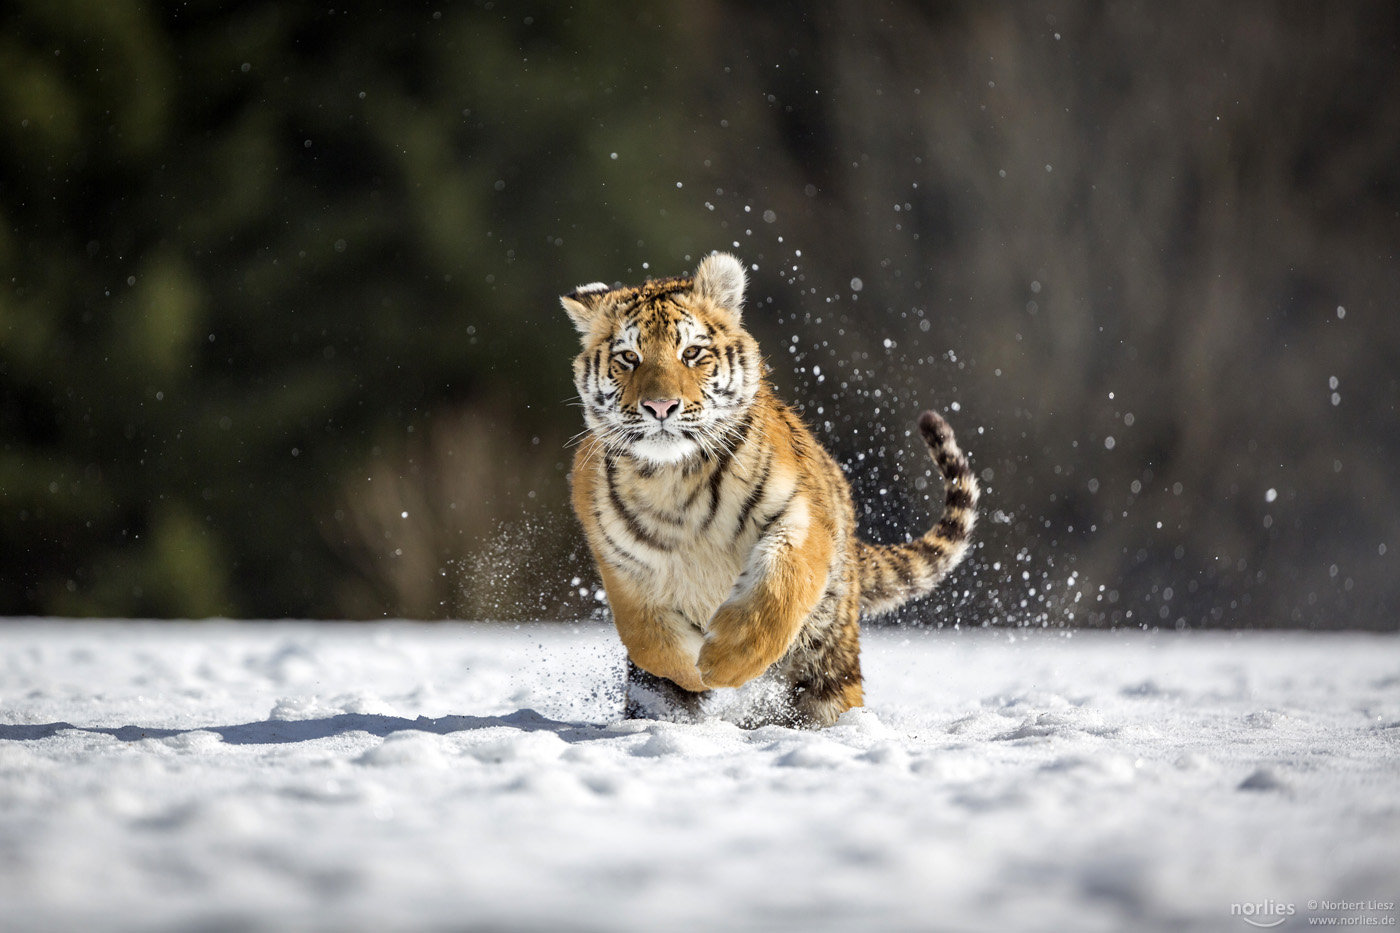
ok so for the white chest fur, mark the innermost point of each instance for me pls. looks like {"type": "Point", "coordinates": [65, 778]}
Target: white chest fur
{"type": "Point", "coordinates": [688, 537]}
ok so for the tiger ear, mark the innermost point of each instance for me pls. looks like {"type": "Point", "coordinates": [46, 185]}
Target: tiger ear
{"type": "Point", "coordinates": [585, 305]}
{"type": "Point", "coordinates": [721, 279]}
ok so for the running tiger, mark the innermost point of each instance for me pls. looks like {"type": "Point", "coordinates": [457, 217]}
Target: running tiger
{"type": "Point", "coordinates": [725, 534]}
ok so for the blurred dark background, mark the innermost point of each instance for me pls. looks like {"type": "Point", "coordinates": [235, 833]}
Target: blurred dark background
{"type": "Point", "coordinates": [279, 332]}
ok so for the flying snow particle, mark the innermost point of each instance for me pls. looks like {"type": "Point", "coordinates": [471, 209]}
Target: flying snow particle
{"type": "Point", "coordinates": [1341, 312]}
{"type": "Point", "coordinates": [1109, 443]}
{"type": "Point", "coordinates": [857, 285]}
{"type": "Point", "coordinates": [1271, 494]}
{"type": "Point", "coordinates": [403, 515]}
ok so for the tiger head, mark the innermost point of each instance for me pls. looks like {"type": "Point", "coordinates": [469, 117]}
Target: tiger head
{"type": "Point", "coordinates": [666, 369]}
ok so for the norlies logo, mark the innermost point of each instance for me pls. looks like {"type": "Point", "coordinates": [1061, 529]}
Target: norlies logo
{"type": "Point", "coordinates": [1264, 914]}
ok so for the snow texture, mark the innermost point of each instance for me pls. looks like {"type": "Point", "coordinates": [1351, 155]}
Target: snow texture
{"type": "Point", "coordinates": [345, 777]}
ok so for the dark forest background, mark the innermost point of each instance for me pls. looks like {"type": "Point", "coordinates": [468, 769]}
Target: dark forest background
{"type": "Point", "coordinates": [279, 332]}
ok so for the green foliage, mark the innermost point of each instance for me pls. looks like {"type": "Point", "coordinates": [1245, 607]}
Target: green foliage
{"type": "Point", "coordinates": [242, 241]}
{"type": "Point", "coordinates": [259, 256]}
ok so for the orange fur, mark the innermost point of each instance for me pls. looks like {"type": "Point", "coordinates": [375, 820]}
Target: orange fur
{"type": "Point", "coordinates": [724, 533]}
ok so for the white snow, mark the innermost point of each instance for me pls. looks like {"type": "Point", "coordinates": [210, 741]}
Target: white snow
{"type": "Point", "coordinates": [342, 777]}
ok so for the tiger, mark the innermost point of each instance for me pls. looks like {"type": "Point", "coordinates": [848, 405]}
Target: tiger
{"type": "Point", "coordinates": [724, 533]}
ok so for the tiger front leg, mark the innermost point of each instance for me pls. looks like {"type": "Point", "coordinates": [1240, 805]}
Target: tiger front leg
{"type": "Point", "coordinates": [781, 585]}
{"type": "Point", "coordinates": [658, 640]}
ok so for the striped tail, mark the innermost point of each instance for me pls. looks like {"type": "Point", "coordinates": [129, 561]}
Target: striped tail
{"type": "Point", "coordinates": [893, 574]}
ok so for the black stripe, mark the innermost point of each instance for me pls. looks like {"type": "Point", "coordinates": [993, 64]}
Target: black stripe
{"type": "Point", "coordinates": [952, 530]}
{"type": "Point", "coordinates": [726, 457]}
{"type": "Point", "coordinates": [620, 554]}
{"type": "Point", "coordinates": [660, 516]}
{"type": "Point", "coordinates": [755, 494]}
{"type": "Point", "coordinates": [959, 498]}
{"type": "Point", "coordinates": [690, 499]}
{"type": "Point", "coordinates": [743, 361]}
{"type": "Point", "coordinates": [873, 585]}
{"type": "Point", "coordinates": [745, 425]}
{"type": "Point", "coordinates": [934, 550]}
{"type": "Point", "coordinates": [634, 527]}
{"type": "Point", "coordinates": [782, 510]}
{"type": "Point", "coordinates": [902, 563]}
{"type": "Point", "coordinates": [734, 373]}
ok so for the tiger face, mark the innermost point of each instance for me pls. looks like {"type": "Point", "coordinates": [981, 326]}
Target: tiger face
{"type": "Point", "coordinates": [666, 367]}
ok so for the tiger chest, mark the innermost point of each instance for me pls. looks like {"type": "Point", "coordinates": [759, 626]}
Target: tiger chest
{"type": "Point", "coordinates": [684, 552]}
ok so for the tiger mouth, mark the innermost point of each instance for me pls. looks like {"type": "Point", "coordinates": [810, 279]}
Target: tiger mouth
{"type": "Point", "coordinates": [666, 429]}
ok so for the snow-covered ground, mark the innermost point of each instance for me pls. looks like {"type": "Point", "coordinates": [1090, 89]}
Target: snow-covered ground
{"type": "Point", "coordinates": [458, 777]}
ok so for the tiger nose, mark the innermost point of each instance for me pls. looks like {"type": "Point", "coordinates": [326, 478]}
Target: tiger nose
{"type": "Point", "coordinates": [661, 407]}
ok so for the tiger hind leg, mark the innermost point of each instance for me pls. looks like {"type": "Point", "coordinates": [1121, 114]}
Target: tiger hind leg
{"type": "Point", "coordinates": [823, 672]}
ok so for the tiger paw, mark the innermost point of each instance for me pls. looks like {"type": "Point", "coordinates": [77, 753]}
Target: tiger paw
{"type": "Point", "coordinates": [726, 665]}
